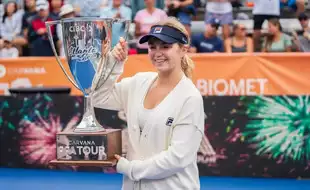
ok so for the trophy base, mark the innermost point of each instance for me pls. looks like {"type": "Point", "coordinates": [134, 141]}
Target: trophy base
{"type": "Point", "coordinates": [96, 148]}
{"type": "Point", "coordinates": [90, 129]}
{"type": "Point", "coordinates": [106, 163]}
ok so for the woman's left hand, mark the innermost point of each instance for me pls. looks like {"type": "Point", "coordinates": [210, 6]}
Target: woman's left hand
{"type": "Point", "coordinates": [117, 157]}
{"type": "Point", "coordinates": [120, 51]}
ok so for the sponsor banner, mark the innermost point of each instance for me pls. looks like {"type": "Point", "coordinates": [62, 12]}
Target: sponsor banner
{"type": "Point", "coordinates": [214, 74]}
{"type": "Point", "coordinates": [32, 72]}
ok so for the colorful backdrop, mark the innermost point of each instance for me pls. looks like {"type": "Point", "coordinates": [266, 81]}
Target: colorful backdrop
{"type": "Point", "coordinates": [256, 107]}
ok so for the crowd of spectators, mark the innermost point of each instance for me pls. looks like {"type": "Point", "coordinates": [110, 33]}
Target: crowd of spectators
{"type": "Point", "coordinates": [23, 31]}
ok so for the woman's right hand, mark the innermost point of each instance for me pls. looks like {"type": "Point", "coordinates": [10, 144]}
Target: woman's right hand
{"type": "Point", "coordinates": [120, 51]}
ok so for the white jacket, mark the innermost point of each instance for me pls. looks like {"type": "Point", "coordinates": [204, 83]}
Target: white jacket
{"type": "Point", "coordinates": [164, 156]}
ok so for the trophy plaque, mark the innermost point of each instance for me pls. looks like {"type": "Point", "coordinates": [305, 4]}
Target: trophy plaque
{"type": "Point", "coordinates": [87, 44]}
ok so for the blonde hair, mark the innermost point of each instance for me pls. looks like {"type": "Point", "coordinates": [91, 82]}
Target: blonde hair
{"type": "Point", "coordinates": [187, 63]}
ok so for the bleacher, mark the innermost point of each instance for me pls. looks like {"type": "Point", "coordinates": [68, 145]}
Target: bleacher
{"type": "Point", "coordinates": [288, 20]}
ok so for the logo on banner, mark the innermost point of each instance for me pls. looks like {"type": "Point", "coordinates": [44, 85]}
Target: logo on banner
{"type": "Point", "coordinates": [2, 71]}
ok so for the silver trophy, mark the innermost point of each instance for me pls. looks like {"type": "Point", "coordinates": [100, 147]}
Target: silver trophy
{"type": "Point", "coordinates": [88, 43]}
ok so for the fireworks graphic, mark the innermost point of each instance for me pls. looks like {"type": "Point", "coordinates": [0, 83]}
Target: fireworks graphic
{"type": "Point", "coordinates": [279, 126]}
{"type": "Point", "coordinates": [32, 122]}
{"type": "Point", "coordinates": [38, 138]}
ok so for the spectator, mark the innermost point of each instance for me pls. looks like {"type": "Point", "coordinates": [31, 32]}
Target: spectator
{"type": "Point", "coordinates": [302, 37]}
{"type": "Point", "coordinates": [137, 5]}
{"type": "Point", "coordinates": [239, 42]}
{"type": "Point", "coordinates": [22, 41]}
{"type": "Point", "coordinates": [221, 10]}
{"type": "Point", "coordinates": [144, 19]}
{"type": "Point", "coordinates": [116, 10]}
{"type": "Point", "coordinates": [208, 41]}
{"type": "Point", "coordinates": [8, 50]}
{"type": "Point", "coordinates": [305, 24]}
{"type": "Point", "coordinates": [11, 23]}
{"type": "Point", "coordinates": [263, 10]}
{"type": "Point", "coordinates": [183, 11]}
{"type": "Point", "coordinates": [55, 8]}
{"type": "Point", "coordinates": [276, 40]}
{"type": "Point", "coordinates": [30, 12]}
{"type": "Point", "coordinates": [66, 11]}
{"type": "Point", "coordinates": [38, 39]}
{"type": "Point", "coordinates": [296, 5]}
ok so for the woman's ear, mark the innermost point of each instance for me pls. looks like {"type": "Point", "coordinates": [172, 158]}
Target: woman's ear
{"type": "Point", "coordinates": [185, 48]}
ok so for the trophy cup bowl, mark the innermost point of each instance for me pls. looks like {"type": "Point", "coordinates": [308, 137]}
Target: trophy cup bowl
{"type": "Point", "coordinates": [87, 44]}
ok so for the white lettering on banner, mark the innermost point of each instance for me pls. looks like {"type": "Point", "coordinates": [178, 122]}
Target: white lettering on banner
{"type": "Point", "coordinates": [221, 87]}
{"type": "Point", "coordinates": [2, 71]}
{"type": "Point", "coordinates": [17, 83]}
{"type": "Point", "coordinates": [29, 70]}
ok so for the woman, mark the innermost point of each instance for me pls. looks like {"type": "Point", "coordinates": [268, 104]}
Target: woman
{"type": "Point", "coordinates": [21, 41]}
{"type": "Point", "coordinates": [11, 23]}
{"type": "Point", "coordinates": [144, 19]}
{"type": "Point", "coordinates": [163, 139]}
{"type": "Point", "coordinates": [239, 42]}
{"type": "Point", "coordinates": [276, 40]}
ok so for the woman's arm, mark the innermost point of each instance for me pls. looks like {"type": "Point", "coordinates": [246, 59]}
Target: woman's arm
{"type": "Point", "coordinates": [227, 45]}
{"type": "Point", "coordinates": [111, 94]}
{"type": "Point", "coordinates": [4, 30]}
{"type": "Point", "coordinates": [182, 151]}
{"type": "Point", "coordinates": [264, 45]}
{"type": "Point", "coordinates": [249, 45]}
{"type": "Point", "coordinates": [18, 25]}
{"type": "Point", "coordinates": [186, 3]}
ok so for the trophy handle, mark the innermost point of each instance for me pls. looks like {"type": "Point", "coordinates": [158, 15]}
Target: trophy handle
{"type": "Point", "coordinates": [97, 85]}
{"type": "Point", "coordinates": [50, 37]}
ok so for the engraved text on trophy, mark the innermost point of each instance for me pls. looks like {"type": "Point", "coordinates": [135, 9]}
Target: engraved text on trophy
{"type": "Point", "coordinates": [82, 48]}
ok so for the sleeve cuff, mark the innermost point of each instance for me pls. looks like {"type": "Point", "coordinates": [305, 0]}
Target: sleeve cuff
{"type": "Point", "coordinates": [123, 166]}
{"type": "Point", "coordinates": [119, 66]}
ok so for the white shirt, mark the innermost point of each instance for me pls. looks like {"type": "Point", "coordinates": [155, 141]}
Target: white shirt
{"type": "Point", "coordinates": [219, 7]}
{"type": "Point", "coordinates": [164, 155]}
{"type": "Point", "coordinates": [266, 7]}
{"type": "Point", "coordinates": [9, 53]}
{"type": "Point", "coordinates": [144, 116]}
{"type": "Point", "coordinates": [11, 27]}
{"type": "Point", "coordinates": [60, 37]}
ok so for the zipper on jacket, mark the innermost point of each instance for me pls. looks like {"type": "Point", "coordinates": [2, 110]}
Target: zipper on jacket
{"type": "Point", "coordinates": [140, 134]}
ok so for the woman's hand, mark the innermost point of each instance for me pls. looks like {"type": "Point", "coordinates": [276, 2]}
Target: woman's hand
{"type": "Point", "coordinates": [117, 158]}
{"type": "Point", "coordinates": [120, 51]}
